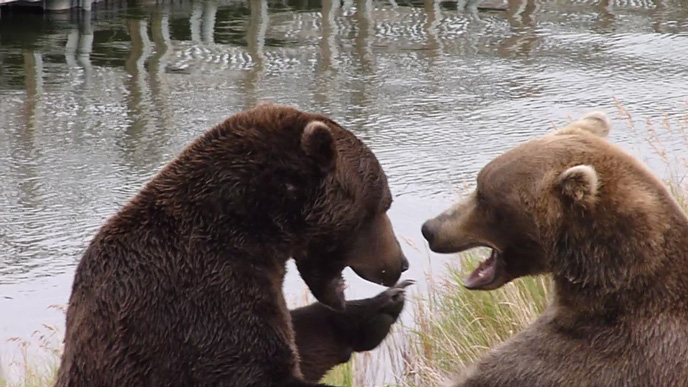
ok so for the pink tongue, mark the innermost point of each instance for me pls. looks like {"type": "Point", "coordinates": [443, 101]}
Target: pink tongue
{"type": "Point", "coordinates": [483, 275]}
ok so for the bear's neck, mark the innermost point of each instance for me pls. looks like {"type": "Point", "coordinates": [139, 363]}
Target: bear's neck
{"type": "Point", "coordinates": [656, 282]}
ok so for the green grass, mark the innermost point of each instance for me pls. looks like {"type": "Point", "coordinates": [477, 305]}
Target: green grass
{"type": "Point", "coordinates": [455, 326]}
{"type": "Point", "coordinates": [342, 375]}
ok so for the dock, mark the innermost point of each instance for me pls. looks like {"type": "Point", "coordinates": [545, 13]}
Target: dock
{"type": "Point", "coordinates": [50, 5]}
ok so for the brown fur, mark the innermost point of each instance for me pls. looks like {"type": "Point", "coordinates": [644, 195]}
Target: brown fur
{"type": "Point", "coordinates": [183, 286]}
{"type": "Point", "coordinates": [616, 242]}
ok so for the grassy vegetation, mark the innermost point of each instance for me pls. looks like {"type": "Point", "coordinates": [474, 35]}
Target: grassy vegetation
{"type": "Point", "coordinates": [451, 326]}
{"type": "Point", "coordinates": [342, 375]}
{"type": "Point", "coordinates": [455, 326]}
{"type": "Point", "coordinates": [37, 360]}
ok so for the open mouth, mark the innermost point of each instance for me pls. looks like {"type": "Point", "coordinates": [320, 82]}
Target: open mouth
{"type": "Point", "coordinates": [490, 274]}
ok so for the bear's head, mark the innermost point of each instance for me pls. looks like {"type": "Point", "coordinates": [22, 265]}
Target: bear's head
{"type": "Point", "coordinates": [568, 203]}
{"type": "Point", "coordinates": [341, 195]}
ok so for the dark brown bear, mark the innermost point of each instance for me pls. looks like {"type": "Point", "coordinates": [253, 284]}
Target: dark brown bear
{"type": "Point", "coordinates": [183, 286]}
{"type": "Point", "coordinates": [616, 243]}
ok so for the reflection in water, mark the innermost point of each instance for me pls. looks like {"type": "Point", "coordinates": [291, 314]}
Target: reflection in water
{"type": "Point", "coordinates": [92, 103]}
{"type": "Point", "coordinates": [138, 111]}
{"type": "Point", "coordinates": [158, 83]}
{"type": "Point", "coordinates": [524, 37]}
{"type": "Point", "coordinates": [202, 22]}
{"type": "Point", "coordinates": [255, 42]}
{"type": "Point", "coordinates": [606, 18]}
{"type": "Point", "coordinates": [24, 149]}
{"type": "Point", "coordinates": [33, 73]}
{"type": "Point", "coordinates": [328, 45]}
{"type": "Point", "coordinates": [433, 13]}
{"type": "Point", "coordinates": [366, 29]}
{"type": "Point", "coordinates": [329, 52]}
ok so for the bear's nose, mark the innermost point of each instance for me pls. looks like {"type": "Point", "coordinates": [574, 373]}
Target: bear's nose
{"type": "Point", "coordinates": [404, 264]}
{"type": "Point", "coordinates": [427, 231]}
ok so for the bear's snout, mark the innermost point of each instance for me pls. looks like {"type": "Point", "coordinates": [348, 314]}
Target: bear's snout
{"type": "Point", "coordinates": [404, 263]}
{"type": "Point", "coordinates": [429, 230]}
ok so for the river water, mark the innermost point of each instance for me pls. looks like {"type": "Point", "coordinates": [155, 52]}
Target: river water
{"type": "Point", "coordinates": [92, 104]}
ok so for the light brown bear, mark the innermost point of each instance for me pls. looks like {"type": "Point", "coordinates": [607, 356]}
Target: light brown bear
{"type": "Point", "coordinates": [616, 243]}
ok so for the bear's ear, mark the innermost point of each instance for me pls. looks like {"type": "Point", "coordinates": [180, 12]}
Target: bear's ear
{"type": "Point", "coordinates": [597, 123]}
{"type": "Point", "coordinates": [264, 103]}
{"type": "Point", "coordinates": [579, 184]}
{"type": "Point", "coordinates": [317, 142]}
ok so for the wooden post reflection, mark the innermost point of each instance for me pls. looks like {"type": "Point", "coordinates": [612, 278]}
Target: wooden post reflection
{"type": "Point", "coordinates": [524, 37]}
{"type": "Point", "coordinates": [257, 26]}
{"type": "Point", "coordinates": [157, 79]}
{"type": "Point", "coordinates": [24, 151]}
{"type": "Point", "coordinates": [255, 41]}
{"type": "Point", "coordinates": [33, 73]}
{"type": "Point", "coordinates": [328, 46]}
{"type": "Point", "coordinates": [160, 35]}
{"type": "Point", "coordinates": [80, 45]}
{"type": "Point", "coordinates": [208, 27]}
{"type": "Point", "coordinates": [432, 10]}
{"type": "Point", "coordinates": [71, 47]}
{"type": "Point", "coordinates": [85, 46]}
{"type": "Point", "coordinates": [606, 19]}
{"type": "Point", "coordinates": [366, 30]}
{"type": "Point", "coordinates": [195, 22]}
{"type": "Point", "coordinates": [329, 51]}
{"type": "Point", "coordinates": [136, 88]}
{"type": "Point", "coordinates": [522, 13]}
{"type": "Point", "coordinates": [659, 16]}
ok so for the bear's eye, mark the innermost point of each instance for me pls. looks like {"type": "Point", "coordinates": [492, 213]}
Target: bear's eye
{"type": "Point", "coordinates": [387, 206]}
{"type": "Point", "coordinates": [480, 197]}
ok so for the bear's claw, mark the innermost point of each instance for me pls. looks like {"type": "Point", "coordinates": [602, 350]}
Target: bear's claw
{"type": "Point", "coordinates": [397, 292]}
